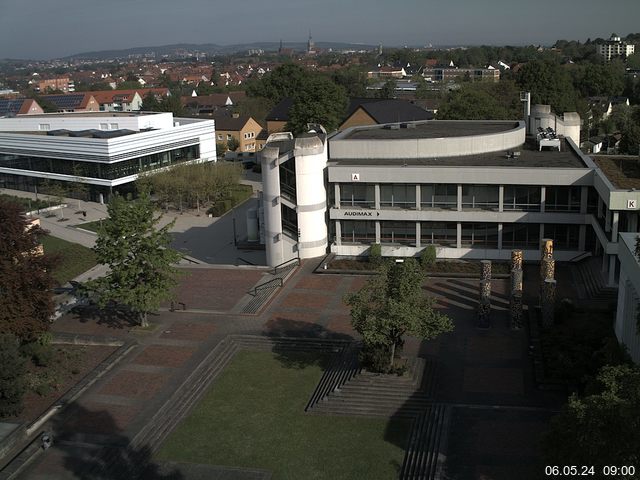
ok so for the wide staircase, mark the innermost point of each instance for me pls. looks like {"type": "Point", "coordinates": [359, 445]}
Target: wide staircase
{"type": "Point", "coordinates": [262, 293]}
{"type": "Point", "coordinates": [590, 279]}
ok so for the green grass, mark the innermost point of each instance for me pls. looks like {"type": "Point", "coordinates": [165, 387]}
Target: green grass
{"type": "Point", "coordinates": [253, 416]}
{"type": "Point", "coordinates": [74, 259]}
{"type": "Point", "coordinates": [91, 226]}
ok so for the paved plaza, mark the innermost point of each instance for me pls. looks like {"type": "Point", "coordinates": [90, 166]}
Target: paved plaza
{"type": "Point", "coordinates": [484, 374]}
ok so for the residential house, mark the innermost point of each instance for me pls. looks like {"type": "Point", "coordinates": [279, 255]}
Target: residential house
{"type": "Point", "coordinates": [74, 102]}
{"type": "Point", "coordinates": [210, 104]}
{"type": "Point", "coordinates": [371, 111]}
{"type": "Point", "coordinates": [387, 72]}
{"type": "Point", "coordinates": [118, 100]}
{"type": "Point", "coordinates": [242, 128]}
{"type": "Point", "coordinates": [19, 106]}
{"type": "Point", "coordinates": [63, 84]}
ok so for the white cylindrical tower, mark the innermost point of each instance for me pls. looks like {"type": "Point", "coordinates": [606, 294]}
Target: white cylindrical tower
{"type": "Point", "coordinates": [311, 197]}
{"type": "Point", "coordinates": [274, 243]}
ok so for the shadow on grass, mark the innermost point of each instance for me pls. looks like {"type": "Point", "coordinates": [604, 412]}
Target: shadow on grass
{"type": "Point", "coordinates": [113, 457]}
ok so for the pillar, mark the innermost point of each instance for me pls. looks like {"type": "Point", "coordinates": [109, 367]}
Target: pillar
{"type": "Point", "coordinates": [485, 269]}
{"type": "Point", "coordinates": [458, 235]}
{"type": "Point", "coordinates": [543, 198]}
{"type": "Point", "coordinates": [336, 193]}
{"type": "Point", "coordinates": [516, 280]}
{"type": "Point", "coordinates": [615, 218]}
{"type": "Point", "coordinates": [376, 196]}
{"type": "Point", "coordinates": [499, 236]}
{"type": "Point", "coordinates": [547, 248]}
{"type": "Point", "coordinates": [459, 198]}
{"type": "Point", "coordinates": [418, 243]}
{"type": "Point", "coordinates": [338, 232]}
{"type": "Point", "coordinates": [501, 198]}
{"type": "Point", "coordinates": [516, 259]}
{"type": "Point", "coordinates": [484, 305]}
{"type": "Point", "coordinates": [418, 197]}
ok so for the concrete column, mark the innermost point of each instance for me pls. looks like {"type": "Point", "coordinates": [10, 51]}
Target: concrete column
{"type": "Point", "coordinates": [543, 198]}
{"type": "Point", "coordinates": [633, 222]}
{"type": "Point", "coordinates": [582, 237]}
{"type": "Point", "coordinates": [600, 203]}
{"type": "Point", "coordinates": [417, 234]}
{"type": "Point", "coordinates": [615, 218]}
{"type": "Point", "coordinates": [584, 195]}
{"type": "Point", "coordinates": [459, 197]}
{"type": "Point", "coordinates": [336, 190]}
{"type": "Point", "coordinates": [459, 235]}
{"type": "Point", "coordinates": [499, 236]}
{"type": "Point", "coordinates": [607, 221]}
{"type": "Point", "coordinates": [612, 271]}
{"type": "Point", "coordinates": [418, 198]}
{"type": "Point", "coordinates": [338, 232]}
{"type": "Point", "coordinates": [500, 202]}
{"type": "Point", "coordinates": [376, 192]}
{"type": "Point", "coordinates": [377, 232]}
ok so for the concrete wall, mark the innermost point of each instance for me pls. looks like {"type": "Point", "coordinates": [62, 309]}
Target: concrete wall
{"type": "Point", "coordinates": [85, 121]}
{"type": "Point", "coordinates": [398, 149]}
{"type": "Point", "coordinates": [629, 286]}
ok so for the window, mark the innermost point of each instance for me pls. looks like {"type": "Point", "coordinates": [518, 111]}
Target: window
{"type": "Point", "coordinates": [398, 195]}
{"type": "Point", "coordinates": [219, 137]}
{"type": "Point", "coordinates": [520, 235]}
{"type": "Point", "coordinates": [562, 199]}
{"type": "Point", "coordinates": [113, 126]}
{"type": "Point", "coordinates": [104, 126]}
{"type": "Point", "coordinates": [288, 179]}
{"type": "Point", "coordinates": [521, 198]}
{"type": "Point", "coordinates": [398, 232]}
{"type": "Point", "coordinates": [480, 197]}
{"type": "Point", "coordinates": [441, 196]}
{"type": "Point", "coordinates": [44, 127]}
{"type": "Point", "coordinates": [565, 237]}
{"type": "Point", "coordinates": [229, 136]}
{"type": "Point", "coordinates": [358, 231]}
{"type": "Point", "coordinates": [439, 233]}
{"type": "Point", "coordinates": [289, 221]}
{"type": "Point", "coordinates": [479, 235]}
{"type": "Point", "coordinates": [357, 195]}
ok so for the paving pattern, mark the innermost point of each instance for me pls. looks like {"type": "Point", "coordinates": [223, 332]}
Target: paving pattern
{"type": "Point", "coordinates": [172, 364]}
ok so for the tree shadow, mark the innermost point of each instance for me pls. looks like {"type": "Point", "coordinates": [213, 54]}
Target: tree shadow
{"type": "Point", "coordinates": [306, 352]}
{"type": "Point", "coordinates": [94, 448]}
{"type": "Point", "coordinates": [111, 317]}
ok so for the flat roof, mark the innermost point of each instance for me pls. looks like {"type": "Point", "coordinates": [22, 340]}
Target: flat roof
{"type": "Point", "coordinates": [431, 129]}
{"type": "Point", "coordinates": [529, 157]}
{"type": "Point", "coordinates": [621, 170]}
{"type": "Point", "coordinates": [87, 114]}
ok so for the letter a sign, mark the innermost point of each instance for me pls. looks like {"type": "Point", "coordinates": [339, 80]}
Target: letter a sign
{"type": "Point", "coordinates": [355, 177]}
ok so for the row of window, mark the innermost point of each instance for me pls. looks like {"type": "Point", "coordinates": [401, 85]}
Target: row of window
{"type": "Point", "coordinates": [474, 197]}
{"type": "Point", "coordinates": [108, 171]}
{"type": "Point", "coordinates": [479, 235]}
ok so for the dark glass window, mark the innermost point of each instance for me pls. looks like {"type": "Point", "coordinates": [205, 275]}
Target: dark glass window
{"type": "Point", "coordinates": [521, 198]}
{"type": "Point", "coordinates": [357, 195]}
{"type": "Point", "coordinates": [520, 235]}
{"type": "Point", "coordinates": [480, 235]}
{"type": "Point", "coordinates": [398, 232]}
{"type": "Point", "coordinates": [441, 196]}
{"type": "Point", "coordinates": [480, 197]}
{"type": "Point", "coordinates": [439, 233]}
{"type": "Point", "coordinates": [288, 179]}
{"type": "Point", "coordinates": [358, 232]}
{"type": "Point", "coordinates": [398, 195]}
{"type": "Point", "coordinates": [289, 221]}
{"type": "Point", "coordinates": [565, 237]}
{"type": "Point", "coordinates": [562, 199]}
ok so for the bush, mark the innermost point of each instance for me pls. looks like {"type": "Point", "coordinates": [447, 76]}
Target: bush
{"type": "Point", "coordinates": [12, 372]}
{"type": "Point", "coordinates": [41, 354]}
{"type": "Point", "coordinates": [375, 254]}
{"type": "Point", "coordinates": [220, 208]}
{"type": "Point", "coordinates": [375, 358]}
{"type": "Point", "coordinates": [428, 256]}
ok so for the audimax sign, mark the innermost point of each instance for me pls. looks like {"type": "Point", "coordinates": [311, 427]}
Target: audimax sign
{"type": "Point", "coordinates": [359, 213]}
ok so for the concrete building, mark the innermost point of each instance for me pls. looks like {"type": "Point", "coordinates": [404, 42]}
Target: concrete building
{"type": "Point", "coordinates": [626, 326]}
{"type": "Point", "coordinates": [107, 151]}
{"type": "Point", "coordinates": [614, 48]}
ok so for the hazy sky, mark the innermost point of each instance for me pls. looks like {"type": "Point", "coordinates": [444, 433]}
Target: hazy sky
{"type": "Point", "coordinates": [41, 29]}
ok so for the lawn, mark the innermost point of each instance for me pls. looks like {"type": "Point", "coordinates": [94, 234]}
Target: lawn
{"type": "Point", "coordinates": [253, 416]}
{"type": "Point", "coordinates": [74, 259]}
{"type": "Point", "coordinates": [91, 226]}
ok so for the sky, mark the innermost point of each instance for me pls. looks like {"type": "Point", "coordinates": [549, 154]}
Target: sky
{"type": "Point", "coordinates": [44, 29]}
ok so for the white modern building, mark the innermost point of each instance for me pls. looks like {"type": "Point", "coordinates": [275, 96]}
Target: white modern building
{"type": "Point", "coordinates": [107, 151]}
{"type": "Point", "coordinates": [614, 47]}
{"type": "Point", "coordinates": [627, 327]}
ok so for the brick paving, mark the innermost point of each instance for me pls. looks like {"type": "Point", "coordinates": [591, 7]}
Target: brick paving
{"type": "Point", "coordinates": [489, 367]}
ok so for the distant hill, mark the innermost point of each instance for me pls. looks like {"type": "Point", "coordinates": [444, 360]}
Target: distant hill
{"type": "Point", "coordinates": [211, 49]}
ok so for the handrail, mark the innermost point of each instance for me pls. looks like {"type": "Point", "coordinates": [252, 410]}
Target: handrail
{"type": "Point", "coordinates": [580, 256]}
{"type": "Point", "coordinates": [275, 269]}
{"type": "Point", "coordinates": [255, 289]}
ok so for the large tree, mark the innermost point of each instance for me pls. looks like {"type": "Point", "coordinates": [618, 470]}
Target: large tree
{"type": "Point", "coordinates": [482, 101]}
{"type": "Point", "coordinates": [549, 84]}
{"type": "Point", "coordinates": [26, 302]}
{"type": "Point", "coordinates": [601, 428]}
{"type": "Point", "coordinates": [319, 100]}
{"type": "Point", "coordinates": [141, 264]}
{"type": "Point", "coordinates": [12, 381]}
{"type": "Point", "coordinates": [393, 304]}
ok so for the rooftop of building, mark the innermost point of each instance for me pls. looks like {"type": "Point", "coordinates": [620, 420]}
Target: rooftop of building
{"type": "Point", "coordinates": [527, 156]}
{"type": "Point", "coordinates": [430, 129]}
{"type": "Point", "coordinates": [622, 171]}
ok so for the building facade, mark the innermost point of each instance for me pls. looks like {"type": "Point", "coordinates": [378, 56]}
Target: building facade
{"type": "Point", "coordinates": [614, 48]}
{"type": "Point", "coordinates": [105, 151]}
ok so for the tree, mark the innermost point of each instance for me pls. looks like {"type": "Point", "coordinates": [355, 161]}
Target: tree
{"type": "Point", "coordinates": [141, 272]}
{"type": "Point", "coordinates": [549, 84]}
{"type": "Point", "coordinates": [388, 89]}
{"type": "Point", "coordinates": [319, 100]}
{"type": "Point", "coordinates": [284, 81]}
{"type": "Point", "coordinates": [26, 302]}
{"type": "Point", "coordinates": [392, 304]}
{"type": "Point", "coordinates": [601, 428]}
{"type": "Point", "coordinates": [482, 101]}
{"type": "Point", "coordinates": [150, 103]}
{"type": "Point", "coordinates": [233, 144]}
{"type": "Point", "coordinates": [12, 370]}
